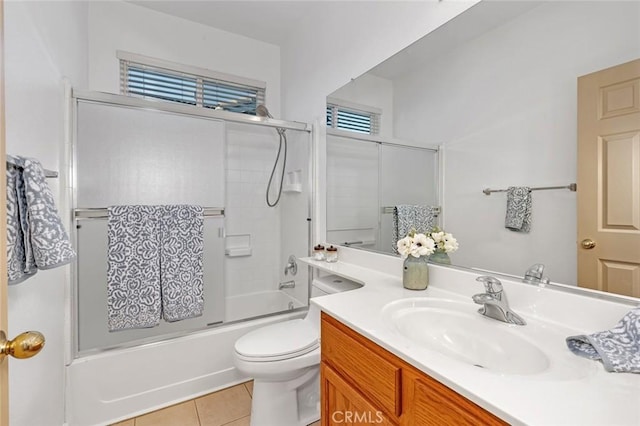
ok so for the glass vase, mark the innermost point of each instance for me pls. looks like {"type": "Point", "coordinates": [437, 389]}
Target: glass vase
{"type": "Point", "coordinates": [415, 274]}
{"type": "Point", "coordinates": [440, 257]}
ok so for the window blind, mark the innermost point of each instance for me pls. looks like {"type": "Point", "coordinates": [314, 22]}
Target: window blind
{"type": "Point", "coordinates": [339, 117]}
{"type": "Point", "coordinates": [147, 81]}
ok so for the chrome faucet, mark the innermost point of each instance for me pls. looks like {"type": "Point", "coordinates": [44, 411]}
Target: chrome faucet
{"type": "Point", "coordinates": [287, 284]}
{"type": "Point", "coordinates": [291, 266]}
{"type": "Point", "coordinates": [534, 275]}
{"type": "Point", "coordinates": [494, 301]}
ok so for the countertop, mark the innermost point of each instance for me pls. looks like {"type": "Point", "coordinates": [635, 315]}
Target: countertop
{"type": "Point", "coordinates": [572, 390]}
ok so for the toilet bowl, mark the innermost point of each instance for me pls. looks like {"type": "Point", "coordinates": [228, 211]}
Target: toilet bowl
{"type": "Point", "coordinates": [284, 361]}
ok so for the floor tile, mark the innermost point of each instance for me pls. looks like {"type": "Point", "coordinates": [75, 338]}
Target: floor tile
{"type": "Point", "coordinates": [249, 386]}
{"type": "Point", "coordinates": [225, 406]}
{"type": "Point", "coordinates": [129, 422]}
{"type": "Point", "coordinates": [184, 414]}
{"type": "Point", "coordinates": [240, 422]}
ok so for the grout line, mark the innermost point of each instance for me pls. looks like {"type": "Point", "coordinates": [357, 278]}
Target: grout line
{"type": "Point", "coordinates": [197, 412]}
{"type": "Point", "coordinates": [247, 389]}
{"type": "Point", "coordinates": [240, 418]}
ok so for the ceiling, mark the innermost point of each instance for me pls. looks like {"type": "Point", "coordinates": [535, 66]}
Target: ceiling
{"type": "Point", "coordinates": [270, 21]}
{"type": "Point", "coordinates": [275, 22]}
{"type": "Point", "coordinates": [479, 19]}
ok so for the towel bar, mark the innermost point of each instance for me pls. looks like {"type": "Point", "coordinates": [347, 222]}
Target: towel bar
{"type": "Point", "coordinates": [50, 173]}
{"type": "Point", "coordinates": [101, 213]}
{"type": "Point", "coordinates": [389, 210]}
{"type": "Point", "coordinates": [571, 187]}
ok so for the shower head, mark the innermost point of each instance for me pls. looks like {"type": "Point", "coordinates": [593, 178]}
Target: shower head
{"type": "Point", "coordinates": [262, 111]}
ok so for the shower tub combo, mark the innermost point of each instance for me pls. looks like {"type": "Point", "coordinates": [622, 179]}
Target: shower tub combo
{"type": "Point", "coordinates": [161, 153]}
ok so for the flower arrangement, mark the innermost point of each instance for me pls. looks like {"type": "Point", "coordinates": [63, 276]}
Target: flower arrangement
{"type": "Point", "coordinates": [417, 245]}
{"type": "Point", "coordinates": [444, 241]}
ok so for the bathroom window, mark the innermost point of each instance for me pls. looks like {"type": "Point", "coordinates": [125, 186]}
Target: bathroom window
{"type": "Point", "coordinates": [146, 77]}
{"type": "Point", "coordinates": [354, 118]}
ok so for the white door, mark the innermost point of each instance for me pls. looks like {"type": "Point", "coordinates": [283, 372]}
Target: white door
{"type": "Point", "coordinates": [4, 364]}
{"type": "Point", "coordinates": [26, 344]}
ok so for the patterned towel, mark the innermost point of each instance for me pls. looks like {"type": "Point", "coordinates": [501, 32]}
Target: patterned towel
{"type": "Point", "coordinates": [406, 218]}
{"type": "Point", "coordinates": [181, 267]}
{"type": "Point", "coordinates": [36, 238]}
{"type": "Point", "coordinates": [133, 274]}
{"type": "Point", "coordinates": [618, 348]}
{"type": "Point", "coordinates": [518, 216]}
{"type": "Point", "coordinates": [155, 269]}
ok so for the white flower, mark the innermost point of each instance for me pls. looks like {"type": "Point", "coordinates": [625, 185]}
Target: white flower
{"type": "Point", "coordinates": [422, 245]}
{"type": "Point", "coordinates": [437, 236]}
{"type": "Point", "coordinates": [404, 246]}
{"type": "Point", "coordinates": [451, 244]}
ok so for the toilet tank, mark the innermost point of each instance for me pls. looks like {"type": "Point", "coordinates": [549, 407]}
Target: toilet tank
{"type": "Point", "coordinates": [330, 284]}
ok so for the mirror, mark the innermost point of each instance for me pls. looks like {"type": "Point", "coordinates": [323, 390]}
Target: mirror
{"type": "Point", "coordinates": [496, 89]}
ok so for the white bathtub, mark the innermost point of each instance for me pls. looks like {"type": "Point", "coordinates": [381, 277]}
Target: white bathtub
{"type": "Point", "coordinates": [119, 384]}
{"type": "Point", "coordinates": [257, 304]}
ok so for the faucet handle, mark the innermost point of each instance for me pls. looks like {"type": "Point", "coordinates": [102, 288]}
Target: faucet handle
{"type": "Point", "coordinates": [534, 273]}
{"type": "Point", "coordinates": [491, 284]}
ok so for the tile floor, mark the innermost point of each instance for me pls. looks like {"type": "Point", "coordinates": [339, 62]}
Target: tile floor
{"type": "Point", "coordinates": [228, 407]}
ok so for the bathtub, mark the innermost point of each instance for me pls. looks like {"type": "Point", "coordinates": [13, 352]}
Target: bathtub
{"type": "Point", "coordinates": [258, 304]}
{"type": "Point", "coordinates": [122, 383]}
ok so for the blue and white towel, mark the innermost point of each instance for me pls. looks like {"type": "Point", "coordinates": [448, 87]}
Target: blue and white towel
{"type": "Point", "coordinates": [618, 349]}
{"type": "Point", "coordinates": [155, 265]}
{"type": "Point", "coordinates": [518, 217]}
{"type": "Point", "coordinates": [36, 238]}
{"type": "Point", "coordinates": [133, 274]}
{"type": "Point", "coordinates": [406, 217]}
{"type": "Point", "coordinates": [181, 264]}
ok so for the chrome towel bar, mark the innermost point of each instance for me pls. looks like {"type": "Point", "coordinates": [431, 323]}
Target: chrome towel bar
{"type": "Point", "coordinates": [571, 187]}
{"type": "Point", "coordinates": [101, 213]}
{"type": "Point", "coordinates": [389, 210]}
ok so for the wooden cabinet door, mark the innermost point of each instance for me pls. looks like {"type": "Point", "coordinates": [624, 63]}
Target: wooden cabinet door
{"type": "Point", "coordinates": [428, 402]}
{"type": "Point", "coordinates": [342, 405]}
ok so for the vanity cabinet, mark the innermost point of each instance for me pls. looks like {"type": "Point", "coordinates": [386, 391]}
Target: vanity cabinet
{"type": "Point", "coordinates": [364, 384]}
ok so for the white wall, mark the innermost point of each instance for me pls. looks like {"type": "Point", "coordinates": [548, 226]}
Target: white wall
{"type": "Point", "coordinates": [116, 25]}
{"type": "Point", "coordinates": [44, 42]}
{"type": "Point", "coordinates": [504, 106]}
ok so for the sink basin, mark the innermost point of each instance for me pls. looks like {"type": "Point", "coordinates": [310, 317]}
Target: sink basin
{"type": "Point", "coordinates": [456, 330]}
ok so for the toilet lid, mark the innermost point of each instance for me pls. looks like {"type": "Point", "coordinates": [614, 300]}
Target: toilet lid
{"type": "Point", "coordinates": [274, 342]}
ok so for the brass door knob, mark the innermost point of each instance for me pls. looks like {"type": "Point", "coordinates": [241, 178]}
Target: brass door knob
{"type": "Point", "coordinates": [587, 244]}
{"type": "Point", "coordinates": [23, 346]}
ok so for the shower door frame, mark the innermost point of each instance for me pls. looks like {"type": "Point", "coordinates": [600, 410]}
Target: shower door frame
{"type": "Point", "coordinates": [73, 99]}
{"type": "Point", "coordinates": [382, 141]}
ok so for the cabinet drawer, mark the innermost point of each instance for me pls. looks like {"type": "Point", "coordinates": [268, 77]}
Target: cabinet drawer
{"type": "Point", "coordinates": [363, 364]}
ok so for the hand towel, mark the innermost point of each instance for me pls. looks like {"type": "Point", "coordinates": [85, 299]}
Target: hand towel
{"type": "Point", "coordinates": [518, 216]}
{"type": "Point", "coordinates": [407, 217]}
{"type": "Point", "coordinates": [181, 262]}
{"type": "Point", "coordinates": [133, 274]}
{"type": "Point", "coordinates": [618, 349]}
{"type": "Point", "coordinates": [36, 238]}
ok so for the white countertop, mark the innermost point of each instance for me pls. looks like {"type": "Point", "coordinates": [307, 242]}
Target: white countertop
{"type": "Point", "coordinates": [572, 391]}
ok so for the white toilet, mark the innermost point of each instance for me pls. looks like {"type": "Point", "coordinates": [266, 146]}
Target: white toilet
{"type": "Point", "coordinates": [284, 361]}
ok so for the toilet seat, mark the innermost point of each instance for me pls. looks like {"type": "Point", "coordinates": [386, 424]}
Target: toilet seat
{"type": "Point", "coordinates": [276, 342]}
